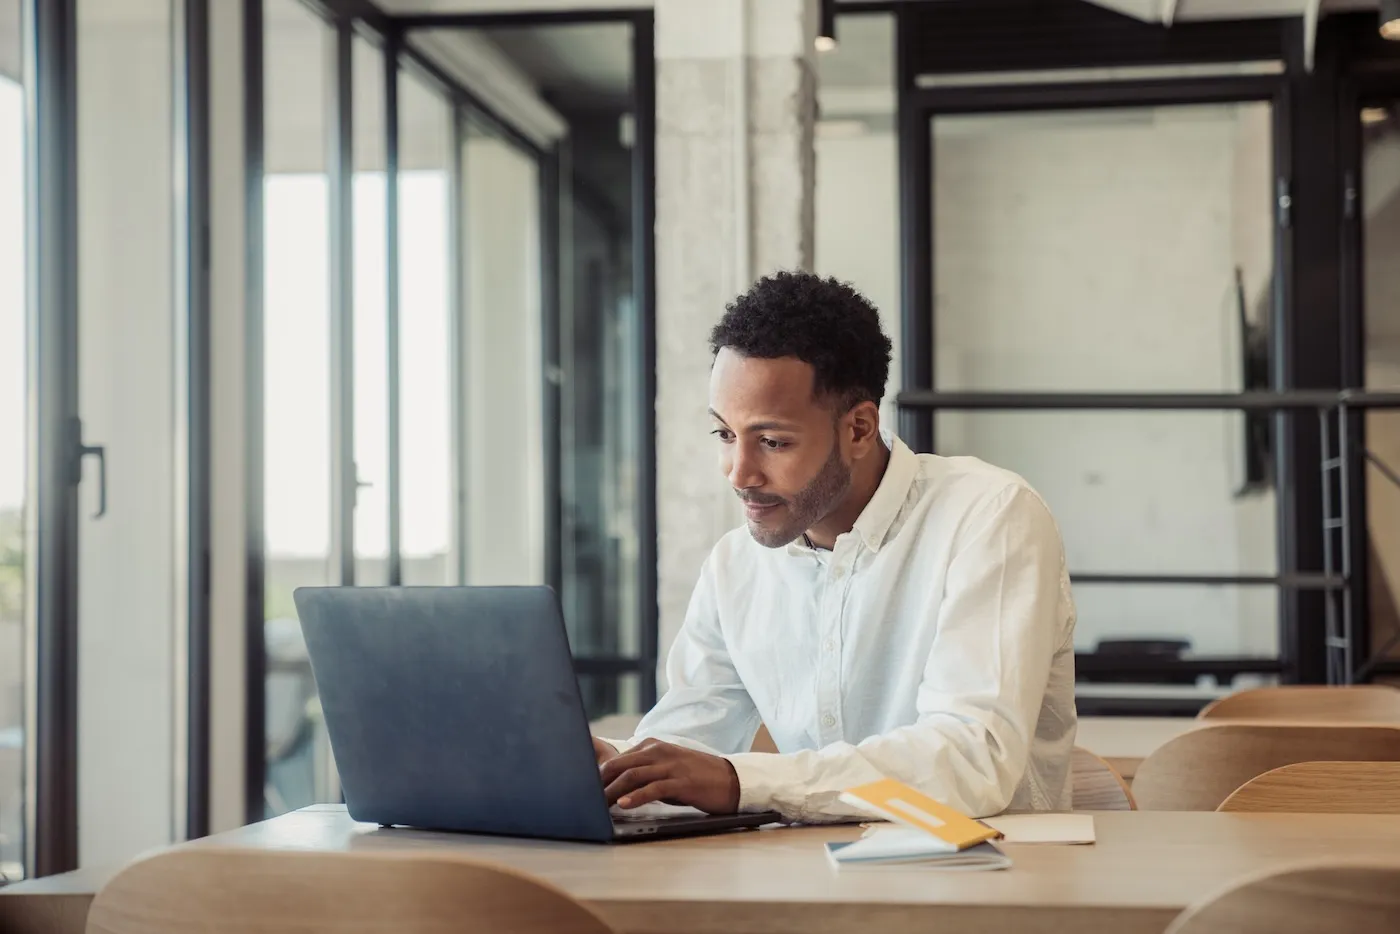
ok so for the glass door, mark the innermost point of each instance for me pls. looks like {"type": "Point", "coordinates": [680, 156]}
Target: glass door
{"type": "Point", "coordinates": [298, 52]}
{"type": "Point", "coordinates": [132, 355]}
{"type": "Point", "coordinates": [1378, 216]}
{"type": "Point", "coordinates": [14, 441]}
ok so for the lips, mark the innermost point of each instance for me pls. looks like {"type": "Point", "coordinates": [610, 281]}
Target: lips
{"type": "Point", "coordinates": [759, 510]}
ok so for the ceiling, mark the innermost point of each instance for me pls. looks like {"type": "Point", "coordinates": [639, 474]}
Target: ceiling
{"type": "Point", "coordinates": [1155, 11]}
{"type": "Point", "coordinates": [1150, 10]}
{"type": "Point", "coordinates": [578, 67]}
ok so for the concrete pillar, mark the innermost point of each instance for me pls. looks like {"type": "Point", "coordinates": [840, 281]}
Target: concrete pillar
{"type": "Point", "coordinates": [735, 174]}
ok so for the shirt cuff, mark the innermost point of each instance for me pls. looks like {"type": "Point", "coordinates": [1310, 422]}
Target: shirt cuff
{"type": "Point", "coordinates": [760, 777]}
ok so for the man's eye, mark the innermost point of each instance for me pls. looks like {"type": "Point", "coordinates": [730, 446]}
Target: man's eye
{"type": "Point", "coordinates": [773, 444]}
{"type": "Point", "coordinates": [724, 434]}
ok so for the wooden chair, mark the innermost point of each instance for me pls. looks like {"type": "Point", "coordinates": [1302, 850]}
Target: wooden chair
{"type": "Point", "coordinates": [1358, 897]}
{"type": "Point", "coordinates": [227, 891]}
{"type": "Point", "coordinates": [1321, 788]}
{"type": "Point", "coordinates": [1097, 785]}
{"type": "Point", "coordinates": [1361, 703]}
{"type": "Point", "coordinates": [1198, 770]}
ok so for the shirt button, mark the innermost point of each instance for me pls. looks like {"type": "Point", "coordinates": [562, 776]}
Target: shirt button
{"type": "Point", "coordinates": [838, 572]}
{"type": "Point", "coordinates": [829, 646]}
{"type": "Point", "coordinates": [828, 721]}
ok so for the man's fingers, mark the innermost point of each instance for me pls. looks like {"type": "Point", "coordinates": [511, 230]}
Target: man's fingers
{"type": "Point", "coordinates": [632, 779]}
{"type": "Point", "coordinates": [666, 789]}
{"type": "Point", "coordinates": [631, 759]}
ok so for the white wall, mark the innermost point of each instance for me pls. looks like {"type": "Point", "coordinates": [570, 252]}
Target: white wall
{"type": "Point", "coordinates": [1091, 254]}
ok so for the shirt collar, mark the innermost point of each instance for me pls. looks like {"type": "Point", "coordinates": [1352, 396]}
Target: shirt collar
{"type": "Point", "coordinates": [879, 514]}
{"type": "Point", "coordinates": [873, 525]}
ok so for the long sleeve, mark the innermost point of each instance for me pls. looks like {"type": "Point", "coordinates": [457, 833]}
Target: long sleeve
{"type": "Point", "coordinates": [706, 706]}
{"type": "Point", "coordinates": [998, 628]}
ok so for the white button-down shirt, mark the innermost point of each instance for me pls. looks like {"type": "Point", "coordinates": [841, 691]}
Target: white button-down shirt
{"type": "Point", "coordinates": [933, 644]}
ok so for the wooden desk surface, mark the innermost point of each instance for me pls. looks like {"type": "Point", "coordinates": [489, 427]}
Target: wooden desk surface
{"type": "Point", "coordinates": [1146, 867]}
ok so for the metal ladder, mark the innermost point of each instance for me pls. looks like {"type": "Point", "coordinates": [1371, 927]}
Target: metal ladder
{"type": "Point", "coordinates": [1336, 545]}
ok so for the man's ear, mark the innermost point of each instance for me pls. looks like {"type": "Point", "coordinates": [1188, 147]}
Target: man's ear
{"type": "Point", "coordinates": [864, 420]}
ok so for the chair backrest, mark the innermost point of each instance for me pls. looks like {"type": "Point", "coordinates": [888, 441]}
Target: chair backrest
{"type": "Point", "coordinates": [227, 891]}
{"type": "Point", "coordinates": [1198, 770]}
{"type": "Point", "coordinates": [1097, 786]}
{"type": "Point", "coordinates": [1365, 703]}
{"type": "Point", "coordinates": [1321, 788]}
{"type": "Point", "coordinates": [1359, 897]}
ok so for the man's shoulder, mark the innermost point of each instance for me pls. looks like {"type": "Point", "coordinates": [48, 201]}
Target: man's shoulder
{"type": "Point", "coordinates": [969, 484]}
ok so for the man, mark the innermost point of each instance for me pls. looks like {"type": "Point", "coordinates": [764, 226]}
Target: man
{"type": "Point", "coordinates": [885, 614]}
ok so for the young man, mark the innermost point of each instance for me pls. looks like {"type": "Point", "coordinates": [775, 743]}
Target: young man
{"type": "Point", "coordinates": [885, 614]}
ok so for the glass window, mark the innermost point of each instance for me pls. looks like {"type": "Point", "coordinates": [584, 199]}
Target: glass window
{"type": "Point", "coordinates": [502, 343]}
{"type": "Point", "coordinates": [13, 442]}
{"type": "Point", "coordinates": [1380, 191]}
{"type": "Point", "coordinates": [610, 695]}
{"type": "Point", "coordinates": [371, 321]}
{"type": "Point", "coordinates": [425, 329]}
{"type": "Point", "coordinates": [296, 382]}
{"type": "Point", "coordinates": [1124, 249]}
{"type": "Point", "coordinates": [595, 446]}
{"type": "Point", "coordinates": [1118, 250]}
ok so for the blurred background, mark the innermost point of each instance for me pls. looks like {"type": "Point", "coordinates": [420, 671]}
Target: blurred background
{"type": "Point", "coordinates": [415, 292]}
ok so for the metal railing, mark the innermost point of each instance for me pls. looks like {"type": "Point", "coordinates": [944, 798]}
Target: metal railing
{"type": "Point", "coordinates": [1340, 514]}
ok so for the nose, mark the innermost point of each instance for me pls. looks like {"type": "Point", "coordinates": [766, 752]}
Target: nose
{"type": "Point", "coordinates": [741, 466]}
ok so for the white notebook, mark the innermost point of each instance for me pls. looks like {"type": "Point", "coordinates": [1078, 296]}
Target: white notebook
{"type": "Point", "coordinates": [885, 844]}
{"type": "Point", "coordinates": [892, 844]}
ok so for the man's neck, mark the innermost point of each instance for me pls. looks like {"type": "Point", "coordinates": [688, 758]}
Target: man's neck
{"type": "Point", "coordinates": [864, 482]}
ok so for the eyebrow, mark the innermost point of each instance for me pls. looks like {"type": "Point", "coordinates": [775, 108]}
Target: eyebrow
{"type": "Point", "coordinates": [761, 426]}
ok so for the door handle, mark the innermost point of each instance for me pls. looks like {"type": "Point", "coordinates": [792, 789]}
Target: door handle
{"type": "Point", "coordinates": [100, 452]}
{"type": "Point", "coordinates": [91, 450]}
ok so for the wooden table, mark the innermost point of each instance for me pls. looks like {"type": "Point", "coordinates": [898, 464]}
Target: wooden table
{"type": "Point", "coordinates": [1146, 867]}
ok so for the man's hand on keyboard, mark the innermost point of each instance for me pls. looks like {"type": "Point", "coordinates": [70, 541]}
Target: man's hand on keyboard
{"type": "Point", "coordinates": [657, 771]}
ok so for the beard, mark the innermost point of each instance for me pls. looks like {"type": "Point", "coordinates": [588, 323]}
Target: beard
{"type": "Point", "coordinates": [813, 503]}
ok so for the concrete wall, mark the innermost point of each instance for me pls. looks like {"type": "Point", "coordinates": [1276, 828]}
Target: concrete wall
{"type": "Point", "coordinates": [734, 180]}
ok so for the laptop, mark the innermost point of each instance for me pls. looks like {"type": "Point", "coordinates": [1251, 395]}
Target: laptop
{"type": "Point", "coordinates": [457, 708]}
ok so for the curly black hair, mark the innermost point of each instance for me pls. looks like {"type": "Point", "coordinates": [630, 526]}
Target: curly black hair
{"type": "Point", "coordinates": [823, 322]}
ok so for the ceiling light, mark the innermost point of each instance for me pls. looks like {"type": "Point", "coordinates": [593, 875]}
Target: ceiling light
{"type": "Point", "coordinates": [1370, 116]}
{"type": "Point", "coordinates": [1390, 19]}
{"type": "Point", "coordinates": [826, 28]}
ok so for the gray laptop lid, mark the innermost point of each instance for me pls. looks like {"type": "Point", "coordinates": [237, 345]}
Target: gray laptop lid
{"type": "Point", "coordinates": [455, 708]}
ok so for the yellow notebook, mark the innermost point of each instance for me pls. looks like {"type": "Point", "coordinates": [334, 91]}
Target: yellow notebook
{"type": "Point", "coordinates": [926, 832]}
{"type": "Point", "coordinates": [898, 803]}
